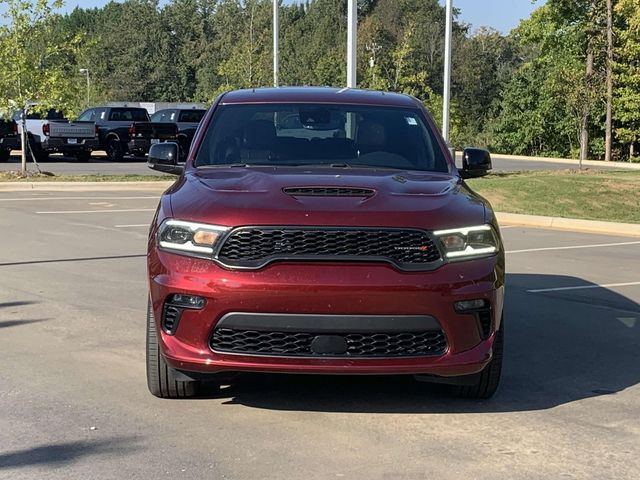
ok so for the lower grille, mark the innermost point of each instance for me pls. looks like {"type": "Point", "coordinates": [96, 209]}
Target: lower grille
{"type": "Point", "coordinates": [396, 344]}
{"type": "Point", "coordinates": [485, 322]}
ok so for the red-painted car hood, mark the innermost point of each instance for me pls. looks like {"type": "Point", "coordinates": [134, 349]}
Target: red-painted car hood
{"type": "Point", "coordinates": [254, 196]}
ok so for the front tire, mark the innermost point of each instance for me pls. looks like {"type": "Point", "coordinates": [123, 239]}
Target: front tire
{"type": "Point", "coordinates": [489, 378]}
{"type": "Point", "coordinates": [161, 378]}
{"type": "Point", "coordinates": [5, 155]}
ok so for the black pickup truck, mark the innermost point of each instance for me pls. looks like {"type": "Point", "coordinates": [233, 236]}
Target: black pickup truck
{"type": "Point", "coordinates": [187, 120]}
{"type": "Point", "coordinates": [8, 139]}
{"type": "Point", "coordinates": [128, 130]}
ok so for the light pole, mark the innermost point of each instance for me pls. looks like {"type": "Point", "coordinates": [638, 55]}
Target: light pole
{"type": "Point", "coordinates": [85, 71]}
{"type": "Point", "coordinates": [276, 42]}
{"type": "Point", "coordinates": [352, 44]}
{"type": "Point", "coordinates": [447, 71]}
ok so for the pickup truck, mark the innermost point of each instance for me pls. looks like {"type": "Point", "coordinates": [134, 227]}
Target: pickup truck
{"type": "Point", "coordinates": [9, 139]}
{"type": "Point", "coordinates": [127, 130]}
{"type": "Point", "coordinates": [51, 132]}
{"type": "Point", "coordinates": [187, 120]}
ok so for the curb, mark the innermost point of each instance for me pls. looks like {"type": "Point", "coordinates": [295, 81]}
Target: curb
{"type": "Point", "coordinates": [158, 186]}
{"type": "Point", "coordinates": [587, 163]}
{"type": "Point", "coordinates": [573, 224]}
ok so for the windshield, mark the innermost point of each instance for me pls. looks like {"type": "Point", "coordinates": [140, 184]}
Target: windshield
{"type": "Point", "coordinates": [318, 134]}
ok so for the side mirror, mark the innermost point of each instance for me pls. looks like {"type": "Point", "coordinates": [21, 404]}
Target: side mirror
{"type": "Point", "coordinates": [163, 157]}
{"type": "Point", "coordinates": [476, 162]}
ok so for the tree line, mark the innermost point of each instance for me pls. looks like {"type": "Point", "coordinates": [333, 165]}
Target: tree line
{"type": "Point", "coordinates": [565, 82]}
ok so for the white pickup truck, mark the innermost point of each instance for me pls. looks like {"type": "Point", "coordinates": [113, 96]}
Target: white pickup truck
{"type": "Point", "coordinates": [50, 132]}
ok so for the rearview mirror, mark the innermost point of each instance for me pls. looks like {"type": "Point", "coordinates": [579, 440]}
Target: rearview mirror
{"type": "Point", "coordinates": [163, 157]}
{"type": "Point", "coordinates": [476, 162]}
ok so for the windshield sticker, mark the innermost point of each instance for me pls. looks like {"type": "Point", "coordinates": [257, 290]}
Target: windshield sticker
{"type": "Point", "coordinates": [411, 121]}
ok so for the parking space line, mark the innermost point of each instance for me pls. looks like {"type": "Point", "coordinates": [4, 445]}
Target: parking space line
{"type": "Point", "coordinates": [583, 287]}
{"type": "Point", "coordinates": [132, 226]}
{"type": "Point", "coordinates": [573, 247]}
{"type": "Point", "coordinates": [35, 199]}
{"type": "Point", "coordinates": [56, 212]}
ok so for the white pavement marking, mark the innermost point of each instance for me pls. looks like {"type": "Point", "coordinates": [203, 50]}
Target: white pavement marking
{"type": "Point", "coordinates": [572, 247]}
{"type": "Point", "coordinates": [98, 211]}
{"type": "Point", "coordinates": [132, 226]}
{"type": "Point", "coordinates": [74, 198]}
{"type": "Point", "coordinates": [583, 287]}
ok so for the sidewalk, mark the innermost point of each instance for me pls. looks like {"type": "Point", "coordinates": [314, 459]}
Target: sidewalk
{"type": "Point", "coordinates": [585, 163]}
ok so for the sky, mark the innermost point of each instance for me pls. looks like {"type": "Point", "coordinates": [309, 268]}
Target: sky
{"type": "Point", "coordinates": [503, 15]}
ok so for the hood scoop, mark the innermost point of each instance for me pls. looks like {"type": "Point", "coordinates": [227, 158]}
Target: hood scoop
{"type": "Point", "coordinates": [329, 192]}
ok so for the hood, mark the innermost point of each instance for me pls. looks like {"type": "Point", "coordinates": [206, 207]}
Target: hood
{"type": "Point", "coordinates": [325, 196]}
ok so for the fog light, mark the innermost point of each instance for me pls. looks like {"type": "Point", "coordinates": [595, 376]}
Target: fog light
{"type": "Point", "coordinates": [187, 301]}
{"type": "Point", "coordinates": [467, 305]}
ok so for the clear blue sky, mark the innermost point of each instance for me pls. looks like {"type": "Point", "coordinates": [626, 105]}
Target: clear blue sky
{"type": "Point", "coordinates": [502, 15]}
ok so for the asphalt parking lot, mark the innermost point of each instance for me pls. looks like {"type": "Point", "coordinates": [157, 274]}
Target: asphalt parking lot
{"type": "Point", "coordinates": [74, 403]}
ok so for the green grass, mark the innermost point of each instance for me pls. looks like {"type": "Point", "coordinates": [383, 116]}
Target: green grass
{"type": "Point", "coordinates": [36, 177]}
{"type": "Point", "coordinates": [590, 194]}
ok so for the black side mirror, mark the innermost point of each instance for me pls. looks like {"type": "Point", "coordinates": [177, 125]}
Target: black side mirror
{"type": "Point", "coordinates": [476, 162]}
{"type": "Point", "coordinates": [163, 157]}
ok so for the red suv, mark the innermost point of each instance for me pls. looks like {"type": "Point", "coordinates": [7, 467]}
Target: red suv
{"type": "Point", "coordinates": [317, 230]}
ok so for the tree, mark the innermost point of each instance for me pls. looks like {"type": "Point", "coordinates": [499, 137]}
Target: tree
{"type": "Point", "coordinates": [627, 71]}
{"type": "Point", "coordinates": [38, 62]}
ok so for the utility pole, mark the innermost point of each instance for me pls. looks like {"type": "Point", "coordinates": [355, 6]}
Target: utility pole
{"type": "Point", "coordinates": [85, 71]}
{"type": "Point", "coordinates": [276, 43]}
{"type": "Point", "coordinates": [352, 44]}
{"type": "Point", "coordinates": [609, 121]}
{"type": "Point", "coordinates": [448, 40]}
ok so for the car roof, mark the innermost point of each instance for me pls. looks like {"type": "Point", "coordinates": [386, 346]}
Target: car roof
{"type": "Point", "coordinates": [346, 96]}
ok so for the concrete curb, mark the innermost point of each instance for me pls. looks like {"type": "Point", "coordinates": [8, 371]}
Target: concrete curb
{"type": "Point", "coordinates": [573, 224]}
{"type": "Point", "coordinates": [158, 186]}
{"type": "Point", "coordinates": [587, 163]}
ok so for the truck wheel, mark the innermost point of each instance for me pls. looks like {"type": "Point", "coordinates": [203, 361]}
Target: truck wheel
{"type": "Point", "coordinates": [115, 152]}
{"type": "Point", "coordinates": [161, 379]}
{"type": "Point", "coordinates": [83, 156]}
{"type": "Point", "coordinates": [489, 378]}
{"type": "Point", "coordinates": [5, 155]}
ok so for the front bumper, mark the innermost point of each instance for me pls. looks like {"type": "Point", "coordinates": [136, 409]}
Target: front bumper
{"type": "Point", "coordinates": [330, 290]}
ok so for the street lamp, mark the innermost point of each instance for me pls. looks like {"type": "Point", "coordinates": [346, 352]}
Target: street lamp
{"type": "Point", "coordinates": [85, 71]}
{"type": "Point", "coordinates": [447, 71]}
{"type": "Point", "coordinates": [276, 45]}
{"type": "Point", "coordinates": [352, 43]}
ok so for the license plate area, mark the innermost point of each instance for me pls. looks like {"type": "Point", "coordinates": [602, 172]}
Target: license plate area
{"type": "Point", "coordinates": [72, 141]}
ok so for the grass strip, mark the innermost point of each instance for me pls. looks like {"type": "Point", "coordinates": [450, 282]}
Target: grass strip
{"type": "Point", "coordinates": [612, 196]}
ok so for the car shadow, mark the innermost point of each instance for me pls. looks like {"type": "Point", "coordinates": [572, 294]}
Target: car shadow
{"type": "Point", "coordinates": [561, 347]}
{"type": "Point", "coordinates": [61, 454]}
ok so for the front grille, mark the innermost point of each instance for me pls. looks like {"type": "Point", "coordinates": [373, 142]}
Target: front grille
{"type": "Point", "coordinates": [396, 344]}
{"type": "Point", "coordinates": [253, 247]}
{"type": "Point", "coordinates": [328, 192]}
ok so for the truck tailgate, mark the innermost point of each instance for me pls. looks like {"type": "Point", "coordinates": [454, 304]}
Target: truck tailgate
{"type": "Point", "coordinates": [72, 129]}
{"type": "Point", "coordinates": [159, 130]}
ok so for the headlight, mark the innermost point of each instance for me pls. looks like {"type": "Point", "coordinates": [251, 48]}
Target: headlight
{"type": "Point", "coordinates": [188, 238]}
{"type": "Point", "coordinates": [468, 242]}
